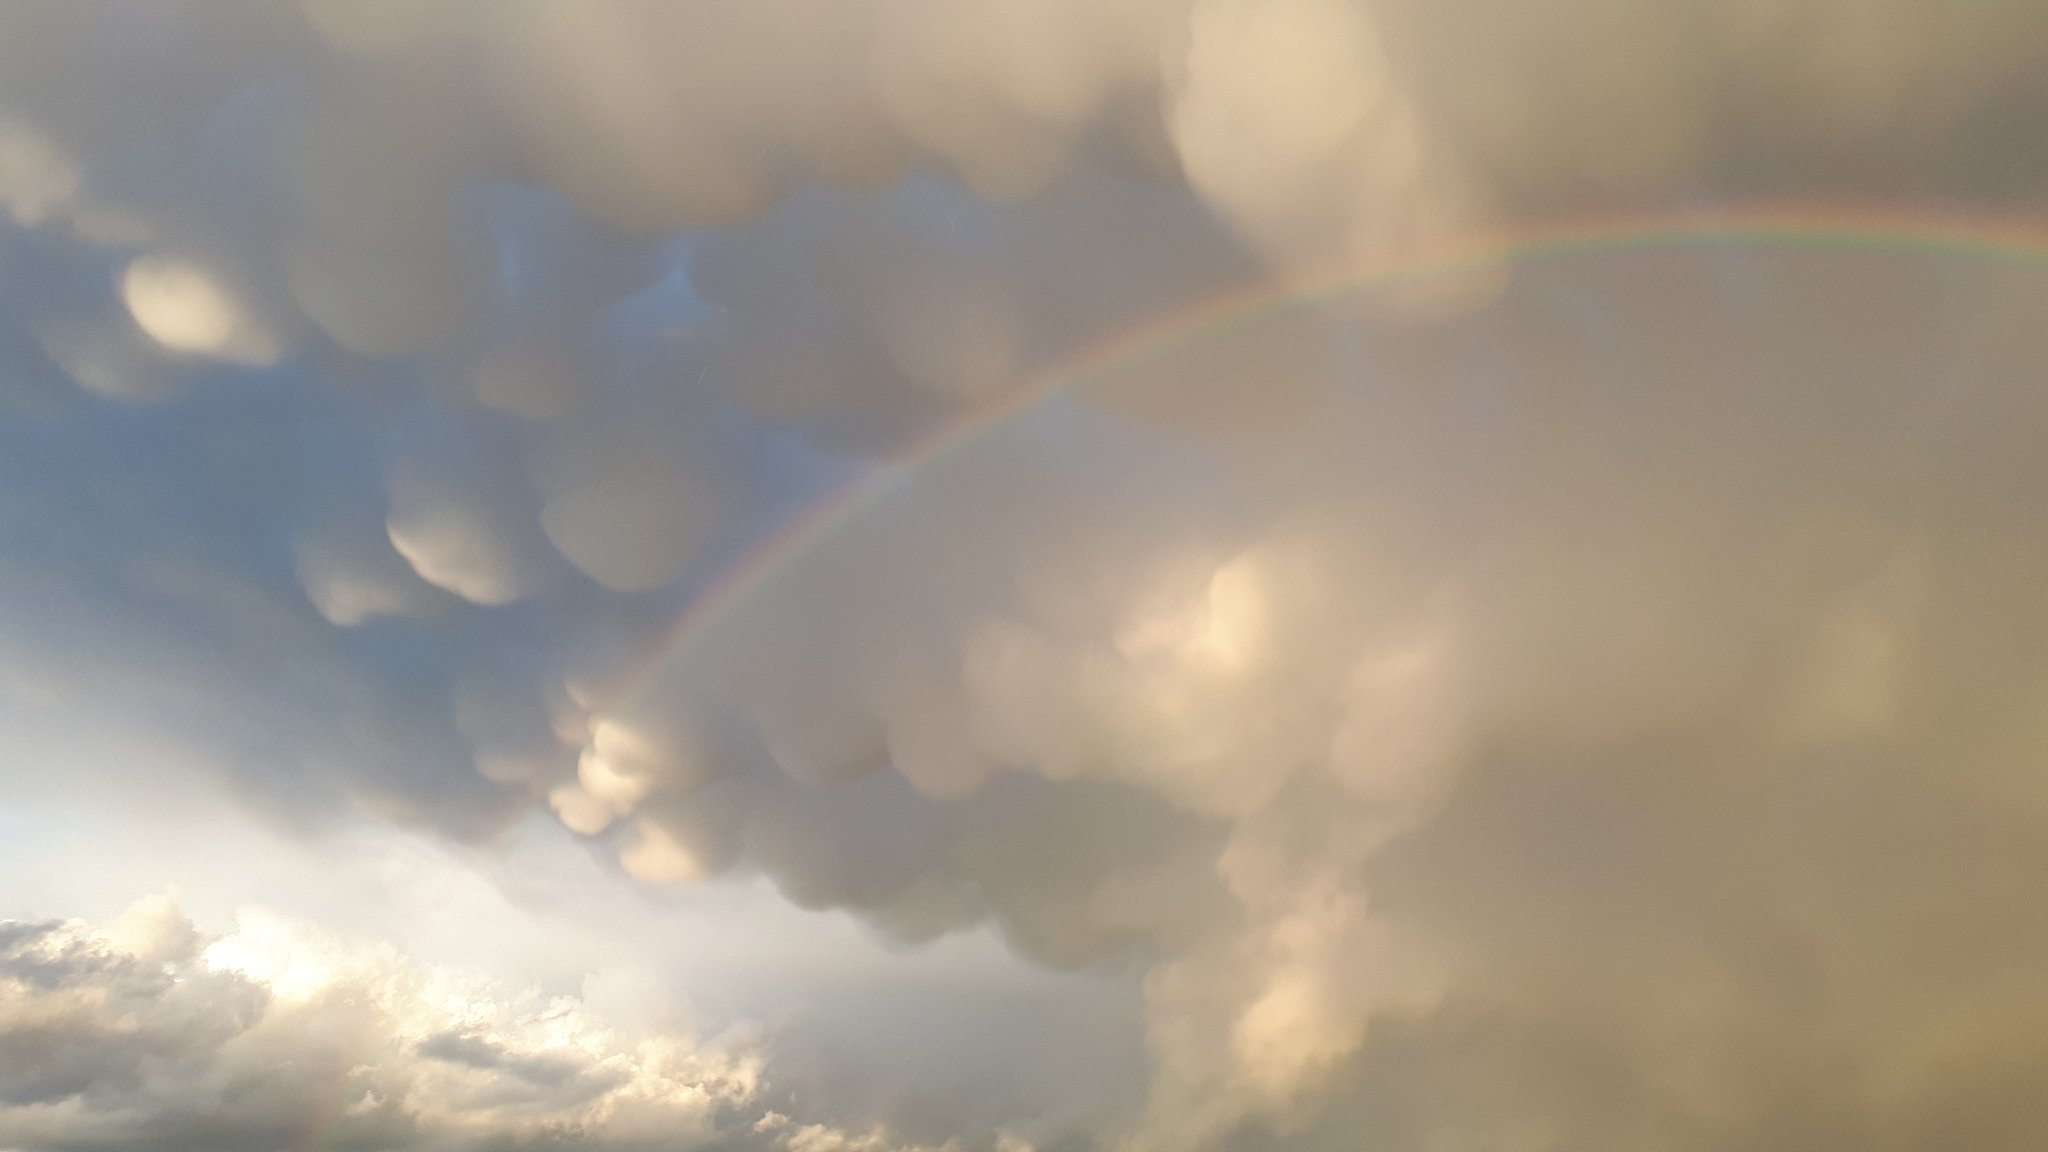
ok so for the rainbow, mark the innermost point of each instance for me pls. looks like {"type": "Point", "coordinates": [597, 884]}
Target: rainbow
{"type": "Point", "coordinates": [1891, 231]}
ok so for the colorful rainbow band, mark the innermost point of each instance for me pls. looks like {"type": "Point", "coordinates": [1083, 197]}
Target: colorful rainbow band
{"type": "Point", "coordinates": [1882, 231]}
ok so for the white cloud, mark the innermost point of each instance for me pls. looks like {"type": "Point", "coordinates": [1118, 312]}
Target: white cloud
{"type": "Point", "coordinates": [188, 310]}
{"type": "Point", "coordinates": [145, 1033]}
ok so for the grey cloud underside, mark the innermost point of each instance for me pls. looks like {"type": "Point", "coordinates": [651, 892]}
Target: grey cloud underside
{"type": "Point", "coordinates": [1600, 709]}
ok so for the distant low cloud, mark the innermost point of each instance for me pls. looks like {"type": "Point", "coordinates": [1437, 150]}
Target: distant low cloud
{"type": "Point", "coordinates": [144, 1032]}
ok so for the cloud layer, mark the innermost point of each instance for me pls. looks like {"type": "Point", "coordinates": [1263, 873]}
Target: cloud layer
{"type": "Point", "coordinates": [1590, 701]}
{"type": "Point", "coordinates": [145, 1030]}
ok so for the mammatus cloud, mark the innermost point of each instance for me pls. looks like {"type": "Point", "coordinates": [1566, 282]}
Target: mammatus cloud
{"type": "Point", "coordinates": [1494, 751]}
{"type": "Point", "coordinates": [1595, 711]}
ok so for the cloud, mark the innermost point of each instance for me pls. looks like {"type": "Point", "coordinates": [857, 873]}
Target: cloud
{"type": "Point", "coordinates": [1635, 675]}
{"type": "Point", "coordinates": [1595, 709]}
{"type": "Point", "coordinates": [145, 1032]}
{"type": "Point", "coordinates": [35, 179]}
{"type": "Point", "coordinates": [186, 309]}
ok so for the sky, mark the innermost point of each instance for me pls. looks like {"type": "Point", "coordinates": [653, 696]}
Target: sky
{"type": "Point", "coordinates": [1023, 575]}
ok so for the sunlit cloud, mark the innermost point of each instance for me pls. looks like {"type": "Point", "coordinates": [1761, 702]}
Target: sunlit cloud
{"type": "Point", "coordinates": [1449, 575]}
{"type": "Point", "coordinates": [277, 1030]}
{"type": "Point", "coordinates": [184, 308]}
